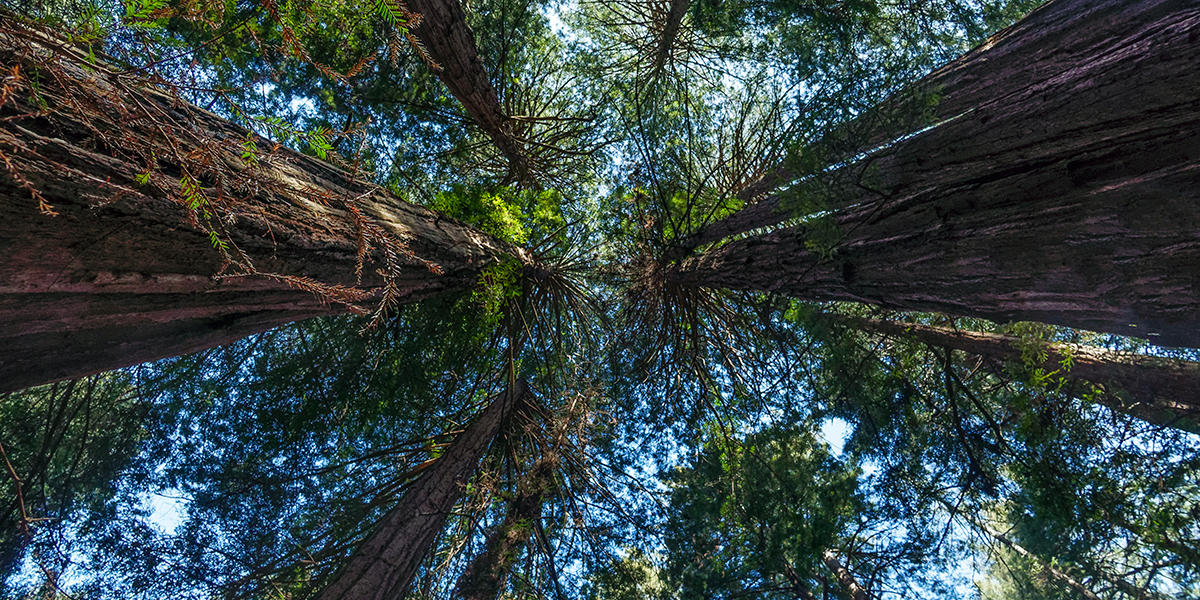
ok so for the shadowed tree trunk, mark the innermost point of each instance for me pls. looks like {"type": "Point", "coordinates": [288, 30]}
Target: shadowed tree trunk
{"type": "Point", "coordinates": [1066, 198]}
{"type": "Point", "coordinates": [670, 31]}
{"type": "Point", "coordinates": [799, 585]}
{"type": "Point", "coordinates": [484, 578]}
{"type": "Point", "coordinates": [997, 67]}
{"type": "Point", "coordinates": [448, 39]}
{"type": "Point", "coordinates": [1159, 390]}
{"type": "Point", "coordinates": [844, 576]}
{"type": "Point", "coordinates": [384, 565]}
{"type": "Point", "coordinates": [1056, 574]}
{"type": "Point", "coordinates": [126, 271]}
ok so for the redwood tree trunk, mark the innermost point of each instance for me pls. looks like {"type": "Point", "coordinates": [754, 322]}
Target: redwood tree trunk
{"type": "Point", "coordinates": [444, 33]}
{"type": "Point", "coordinates": [1067, 197]}
{"type": "Point", "coordinates": [484, 578]}
{"type": "Point", "coordinates": [125, 272]}
{"type": "Point", "coordinates": [844, 576]}
{"type": "Point", "coordinates": [670, 31]}
{"type": "Point", "coordinates": [1051, 40]}
{"type": "Point", "coordinates": [1163, 391]}
{"type": "Point", "coordinates": [384, 565]}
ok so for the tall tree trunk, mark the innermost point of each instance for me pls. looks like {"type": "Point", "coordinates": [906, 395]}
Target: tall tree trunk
{"type": "Point", "coordinates": [670, 31]}
{"type": "Point", "coordinates": [127, 272]}
{"type": "Point", "coordinates": [445, 35]}
{"type": "Point", "coordinates": [844, 576]}
{"type": "Point", "coordinates": [799, 585]}
{"type": "Point", "coordinates": [1188, 550]}
{"type": "Point", "coordinates": [1060, 576]}
{"type": "Point", "coordinates": [1068, 199]}
{"type": "Point", "coordinates": [763, 184]}
{"type": "Point", "coordinates": [1159, 390]}
{"type": "Point", "coordinates": [384, 565]}
{"type": "Point", "coordinates": [484, 578]}
{"type": "Point", "coordinates": [1025, 55]}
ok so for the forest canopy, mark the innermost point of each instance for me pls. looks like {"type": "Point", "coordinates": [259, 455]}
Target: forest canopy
{"type": "Point", "coordinates": [600, 299]}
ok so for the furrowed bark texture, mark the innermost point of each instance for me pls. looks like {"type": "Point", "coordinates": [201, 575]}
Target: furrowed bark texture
{"type": "Point", "coordinates": [384, 565]}
{"type": "Point", "coordinates": [125, 272]}
{"type": "Point", "coordinates": [1068, 200]}
{"type": "Point", "coordinates": [844, 576]}
{"type": "Point", "coordinates": [484, 578]}
{"type": "Point", "coordinates": [1163, 391]}
{"type": "Point", "coordinates": [1008, 73]}
{"type": "Point", "coordinates": [444, 33]}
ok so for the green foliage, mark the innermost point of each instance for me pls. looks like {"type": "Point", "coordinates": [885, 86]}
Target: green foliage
{"type": "Point", "coordinates": [515, 216]}
{"type": "Point", "coordinates": [634, 576]}
{"type": "Point", "coordinates": [393, 14]}
{"type": "Point", "coordinates": [499, 285]}
{"type": "Point", "coordinates": [146, 13]}
{"type": "Point", "coordinates": [746, 512]}
{"type": "Point", "coordinates": [287, 446]}
{"type": "Point", "coordinates": [70, 443]}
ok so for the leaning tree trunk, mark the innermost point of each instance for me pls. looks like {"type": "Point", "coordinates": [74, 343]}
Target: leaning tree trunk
{"type": "Point", "coordinates": [1054, 573]}
{"type": "Point", "coordinates": [844, 576]}
{"type": "Point", "coordinates": [1049, 569]}
{"type": "Point", "coordinates": [1159, 390]}
{"type": "Point", "coordinates": [798, 584]}
{"type": "Point", "coordinates": [997, 67]}
{"type": "Point", "coordinates": [485, 576]}
{"type": "Point", "coordinates": [384, 565]}
{"type": "Point", "coordinates": [1067, 198]}
{"type": "Point", "coordinates": [670, 31]}
{"type": "Point", "coordinates": [142, 186]}
{"type": "Point", "coordinates": [445, 35]}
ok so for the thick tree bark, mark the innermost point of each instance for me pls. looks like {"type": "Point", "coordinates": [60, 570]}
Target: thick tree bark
{"type": "Point", "coordinates": [384, 565]}
{"type": "Point", "coordinates": [1052, 39]}
{"type": "Point", "coordinates": [670, 31]}
{"type": "Point", "coordinates": [844, 576]}
{"type": "Point", "coordinates": [1070, 199]}
{"type": "Point", "coordinates": [126, 271]}
{"type": "Point", "coordinates": [484, 578]}
{"type": "Point", "coordinates": [1159, 390]}
{"type": "Point", "coordinates": [448, 39]}
{"type": "Point", "coordinates": [765, 183]}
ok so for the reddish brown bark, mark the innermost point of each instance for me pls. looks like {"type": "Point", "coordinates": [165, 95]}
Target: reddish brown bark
{"type": "Point", "coordinates": [485, 577]}
{"type": "Point", "coordinates": [1068, 200]}
{"type": "Point", "coordinates": [1163, 391]}
{"type": "Point", "coordinates": [384, 565]}
{"type": "Point", "coordinates": [444, 33]}
{"type": "Point", "coordinates": [1052, 41]}
{"type": "Point", "coordinates": [125, 272]}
